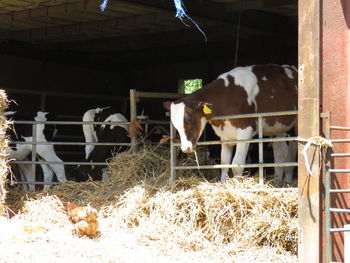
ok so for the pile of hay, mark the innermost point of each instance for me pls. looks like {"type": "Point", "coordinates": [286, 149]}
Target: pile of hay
{"type": "Point", "coordinates": [143, 220]}
{"type": "Point", "coordinates": [4, 168]}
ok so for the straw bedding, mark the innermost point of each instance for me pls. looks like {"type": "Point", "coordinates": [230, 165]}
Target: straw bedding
{"type": "Point", "coordinates": [143, 220]}
{"type": "Point", "coordinates": [3, 148]}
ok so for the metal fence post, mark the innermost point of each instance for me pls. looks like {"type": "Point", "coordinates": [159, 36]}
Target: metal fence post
{"type": "Point", "coordinates": [327, 204]}
{"type": "Point", "coordinates": [133, 115]}
{"type": "Point", "coordinates": [34, 140]}
{"type": "Point", "coordinates": [172, 156]}
{"type": "Point", "coordinates": [261, 151]}
{"type": "Point", "coordinates": [43, 101]}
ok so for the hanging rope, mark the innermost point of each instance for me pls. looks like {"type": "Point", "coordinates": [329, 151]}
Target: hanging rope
{"type": "Point", "coordinates": [318, 141]}
{"type": "Point", "coordinates": [238, 31]}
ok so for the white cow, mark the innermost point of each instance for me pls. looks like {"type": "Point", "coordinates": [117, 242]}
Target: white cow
{"type": "Point", "coordinates": [20, 152]}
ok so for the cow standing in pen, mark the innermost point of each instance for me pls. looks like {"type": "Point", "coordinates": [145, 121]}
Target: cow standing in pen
{"type": "Point", "coordinates": [243, 90]}
{"type": "Point", "coordinates": [21, 152]}
{"type": "Point", "coordinates": [101, 133]}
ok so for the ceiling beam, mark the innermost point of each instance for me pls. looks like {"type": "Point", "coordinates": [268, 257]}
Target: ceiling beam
{"type": "Point", "coordinates": [92, 6]}
{"type": "Point", "coordinates": [258, 4]}
{"type": "Point", "coordinates": [196, 8]}
{"type": "Point", "coordinates": [219, 12]}
{"type": "Point", "coordinates": [116, 25]}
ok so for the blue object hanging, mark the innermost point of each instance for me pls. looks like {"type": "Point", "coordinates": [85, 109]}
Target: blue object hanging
{"type": "Point", "coordinates": [103, 5]}
{"type": "Point", "coordinates": [181, 13]}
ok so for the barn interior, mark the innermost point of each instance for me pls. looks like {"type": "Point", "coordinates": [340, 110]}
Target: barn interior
{"type": "Point", "coordinates": [68, 56]}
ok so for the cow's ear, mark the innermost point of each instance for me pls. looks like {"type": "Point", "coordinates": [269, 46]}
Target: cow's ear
{"type": "Point", "coordinates": [167, 104]}
{"type": "Point", "coordinates": [206, 108]}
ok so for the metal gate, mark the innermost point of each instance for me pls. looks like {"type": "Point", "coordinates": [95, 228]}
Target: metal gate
{"type": "Point", "coordinates": [261, 165]}
{"type": "Point", "coordinates": [330, 191]}
{"type": "Point", "coordinates": [34, 144]}
{"type": "Point", "coordinates": [135, 96]}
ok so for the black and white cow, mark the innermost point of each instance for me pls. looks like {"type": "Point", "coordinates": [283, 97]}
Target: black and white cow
{"type": "Point", "coordinates": [20, 152]}
{"type": "Point", "coordinates": [251, 89]}
{"type": "Point", "coordinates": [101, 133]}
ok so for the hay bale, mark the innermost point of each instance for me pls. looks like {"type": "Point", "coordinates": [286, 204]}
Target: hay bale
{"type": "Point", "coordinates": [4, 167]}
{"type": "Point", "coordinates": [213, 213]}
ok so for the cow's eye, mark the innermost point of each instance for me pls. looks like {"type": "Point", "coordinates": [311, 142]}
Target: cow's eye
{"type": "Point", "coordinates": [190, 120]}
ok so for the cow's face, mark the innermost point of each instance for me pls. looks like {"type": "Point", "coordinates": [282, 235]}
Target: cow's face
{"type": "Point", "coordinates": [189, 119]}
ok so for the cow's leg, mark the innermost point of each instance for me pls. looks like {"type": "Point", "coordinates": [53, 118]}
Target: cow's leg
{"type": "Point", "coordinates": [242, 149]}
{"type": "Point", "coordinates": [48, 176]}
{"type": "Point", "coordinates": [47, 152]}
{"type": "Point", "coordinates": [26, 175]}
{"type": "Point", "coordinates": [291, 157]}
{"type": "Point", "coordinates": [280, 152]}
{"type": "Point", "coordinates": [104, 174]}
{"type": "Point", "coordinates": [226, 155]}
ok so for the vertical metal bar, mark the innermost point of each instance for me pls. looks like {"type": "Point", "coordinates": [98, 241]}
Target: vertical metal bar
{"type": "Point", "coordinates": [172, 156]}
{"type": "Point", "coordinates": [327, 188]}
{"type": "Point", "coordinates": [327, 202]}
{"type": "Point", "coordinates": [43, 101]}
{"type": "Point", "coordinates": [34, 138]}
{"type": "Point", "coordinates": [261, 151]}
{"type": "Point", "coordinates": [347, 244]}
{"type": "Point", "coordinates": [133, 115]}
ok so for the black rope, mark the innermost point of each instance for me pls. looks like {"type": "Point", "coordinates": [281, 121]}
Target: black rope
{"type": "Point", "coordinates": [238, 31]}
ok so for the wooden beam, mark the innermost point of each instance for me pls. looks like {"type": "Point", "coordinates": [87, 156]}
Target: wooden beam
{"type": "Point", "coordinates": [308, 126]}
{"type": "Point", "coordinates": [258, 4]}
{"type": "Point", "coordinates": [60, 30]}
{"type": "Point", "coordinates": [71, 7]}
{"type": "Point", "coordinates": [115, 24]}
{"type": "Point", "coordinates": [217, 11]}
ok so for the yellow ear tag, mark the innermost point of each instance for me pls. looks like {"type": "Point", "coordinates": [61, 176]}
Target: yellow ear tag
{"type": "Point", "coordinates": [206, 109]}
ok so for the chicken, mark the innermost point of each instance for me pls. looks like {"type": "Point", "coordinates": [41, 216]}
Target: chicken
{"type": "Point", "coordinates": [84, 219]}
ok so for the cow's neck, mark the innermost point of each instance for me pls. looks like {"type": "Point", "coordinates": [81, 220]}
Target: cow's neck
{"type": "Point", "coordinates": [210, 93]}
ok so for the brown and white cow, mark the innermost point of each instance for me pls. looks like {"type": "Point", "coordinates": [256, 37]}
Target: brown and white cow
{"type": "Point", "coordinates": [251, 89]}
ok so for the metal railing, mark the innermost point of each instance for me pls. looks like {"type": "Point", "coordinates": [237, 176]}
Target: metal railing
{"type": "Point", "coordinates": [261, 165]}
{"type": "Point", "coordinates": [328, 191]}
{"type": "Point", "coordinates": [134, 97]}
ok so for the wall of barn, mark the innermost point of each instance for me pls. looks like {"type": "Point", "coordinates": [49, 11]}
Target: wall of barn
{"type": "Point", "coordinates": [106, 83]}
{"type": "Point", "coordinates": [39, 74]}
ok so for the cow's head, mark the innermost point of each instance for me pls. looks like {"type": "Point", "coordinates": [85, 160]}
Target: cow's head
{"type": "Point", "coordinates": [189, 119]}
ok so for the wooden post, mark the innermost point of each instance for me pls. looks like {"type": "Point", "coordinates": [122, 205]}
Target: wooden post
{"type": "Point", "coordinates": [309, 126]}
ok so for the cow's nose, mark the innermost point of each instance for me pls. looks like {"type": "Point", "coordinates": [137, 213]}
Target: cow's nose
{"type": "Point", "coordinates": [188, 150]}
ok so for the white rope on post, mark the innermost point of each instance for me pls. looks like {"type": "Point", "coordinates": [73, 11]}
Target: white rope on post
{"type": "Point", "coordinates": [318, 141]}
